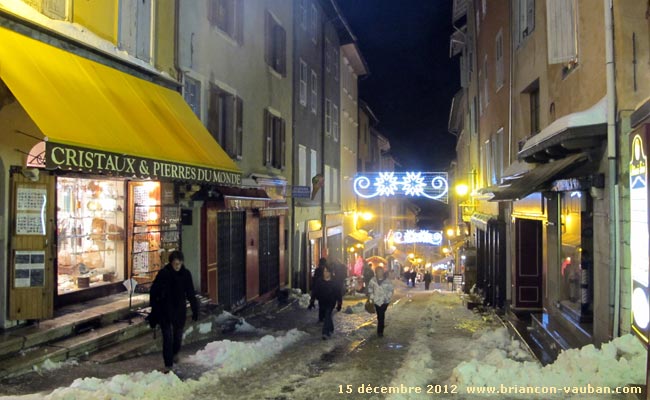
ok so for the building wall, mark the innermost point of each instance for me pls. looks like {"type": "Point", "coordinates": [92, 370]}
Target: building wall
{"type": "Point", "coordinates": [99, 16]}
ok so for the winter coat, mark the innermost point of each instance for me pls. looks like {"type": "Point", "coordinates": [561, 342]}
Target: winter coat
{"type": "Point", "coordinates": [169, 293]}
{"type": "Point", "coordinates": [380, 293]}
{"type": "Point", "coordinates": [326, 292]}
{"type": "Point", "coordinates": [340, 274]}
{"type": "Point", "coordinates": [427, 277]}
{"type": "Point", "coordinates": [368, 274]}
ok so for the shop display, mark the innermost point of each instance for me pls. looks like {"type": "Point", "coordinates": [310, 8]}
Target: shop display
{"type": "Point", "coordinates": [156, 231]}
{"type": "Point", "coordinates": [90, 229]}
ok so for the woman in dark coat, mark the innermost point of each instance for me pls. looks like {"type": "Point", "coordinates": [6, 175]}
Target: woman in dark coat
{"type": "Point", "coordinates": [326, 291]}
{"type": "Point", "coordinates": [170, 290]}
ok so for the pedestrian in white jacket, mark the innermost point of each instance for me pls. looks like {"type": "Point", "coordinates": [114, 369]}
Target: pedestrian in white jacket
{"type": "Point", "coordinates": [380, 291]}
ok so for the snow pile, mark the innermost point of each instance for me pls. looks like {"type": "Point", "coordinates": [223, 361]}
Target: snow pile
{"type": "Point", "coordinates": [502, 360]}
{"type": "Point", "coordinates": [223, 317]}
{"type": "Point", "coordinates": [229, 357]}
{"type": "Point", "coordinates": [303, 299]}
{"type": "Point", "coordinates": [244, 327]}
{"type": "Point", "coordinates": [49, 365]}
{"type": "Point", "coordinates": [356, 309]}
{"type": "Point", "coordinates": [205, 327]}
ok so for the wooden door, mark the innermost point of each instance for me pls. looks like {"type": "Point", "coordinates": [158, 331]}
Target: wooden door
{"type": "Point", "coordinates": [209, 261]}
{"type": "Point", "coordinates": [528, 274]}
{"type": "Point", "coordinates": [32, 250]}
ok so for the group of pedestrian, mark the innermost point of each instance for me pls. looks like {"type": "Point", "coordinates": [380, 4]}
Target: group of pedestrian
{"type": "Point", "coordinates": [328, 287]}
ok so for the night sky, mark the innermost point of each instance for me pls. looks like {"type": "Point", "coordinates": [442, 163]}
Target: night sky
{"type": "Point", "coordinates": [412, 79]}
{"type": "Point", "coordinates": [411, 83]}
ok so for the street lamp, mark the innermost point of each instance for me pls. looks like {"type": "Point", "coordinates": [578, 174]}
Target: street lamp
{"type": "Point", "coordinates": [462, 189]}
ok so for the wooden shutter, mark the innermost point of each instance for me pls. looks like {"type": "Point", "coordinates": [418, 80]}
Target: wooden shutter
{"type": "Point", "coordinates": [213, 112]}
{"type": "Point", "coordinates": [530, 16]}
{"type": "Point", "coordinates": [267, 137]}
{"type": "Point", "coordinates": [277, 142]}
{"type": "Point", "coordinates": [239, 127]}
{"type": "Point", "coordinates": [143, 35]}
{"type": "Point", "coordinates": [239, 21]}
{"type": "Point", "coordinates": [282, 50]}
{"type": "Point", "coordinates": [268, 39]}
{"type": "Point", "coordinates": [561, 31]}
{"type": "Point", "coordinates": [32, 296]}
{"type": "Point", "coordinates": [283, 148]}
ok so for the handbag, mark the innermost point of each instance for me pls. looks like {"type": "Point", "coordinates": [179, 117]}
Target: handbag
{"type": "Point", "coordinates": [370, 307]}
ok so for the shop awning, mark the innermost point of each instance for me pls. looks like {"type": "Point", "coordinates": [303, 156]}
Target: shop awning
{"type": "Point", "coordinates": [576, 131]}
{"type": "Point", "coordinates": [97, 119]}
{"type": "Point", "coordinates": [481, 220]}
{"type": "Point", "coordinates": [535, 179]}
{"type": "Point", "coordinates": [359, 236]}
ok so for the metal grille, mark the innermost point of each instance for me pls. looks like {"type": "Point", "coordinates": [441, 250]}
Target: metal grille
{"type": "Point", "coordinates": [231, 267]}
{"type": "Point", "coordinates": [269, 254]}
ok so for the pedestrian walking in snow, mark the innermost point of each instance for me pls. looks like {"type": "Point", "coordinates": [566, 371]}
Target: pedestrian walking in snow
{"type": "Point", "coordinates": [427, 279]}
{"type": "Point", "coordinates": [380, 291]}
{"type": "Point", "coordinates": [326, 292]}
{"type": "Point", "coordinates": [340, 274]}
{"type": "Point", "coordinates": [318, 275]}
{"type": "Point", "coordinates": [169, 292]}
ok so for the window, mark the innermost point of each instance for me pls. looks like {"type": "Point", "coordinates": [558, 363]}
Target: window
{"type": "Point", "coordinates": [328, 55]}
{"type": "Point", "coordinates": [561, 29]}
{"type": "Point", "coordinates": [303, 83]}
{"type": "Point", "coordinates": [314, 92]}
{"type": "Point", "coordinates": [275, 52]}
{"type": "Point", "coordinates": [335, 122]}
{"type": "Point", "coordinates": [274, 140]}
{"type": "Point", "coordinates": [335, 185]}
{"type": "Point", "coordinates": [192, 94]}
{"type": "Point", "coordinates": [499, 60]}
{"type": "Point", "coordinates": [302, 165]}
{"type": "Point", "coordinates": [328, 117]}
{"type": "Point", "coordinates": [303, 14]}
{"type": "Point", "coordinates": [225, 121]}
{"type": "Point", "coordinates": [486, 81]}
{"type": "Point", "coordinates": [313, 160]}
{"type": "Point", "coordinates": [56, 9]}
{"type": "Point", "coordinates": [524, 21]}
{"type": "Point", "coordinates": [534, 111]}
{"type": "Point", "coordinates": [228, 16]}
{"type": "Point", "coordinates": [328, 184]}
{"type": "Point", "coordinates": [313, 27]}
{"type": "Point", "coordinates": [135, 28]}
{"type": "Point", "coordinates": [335, 63]}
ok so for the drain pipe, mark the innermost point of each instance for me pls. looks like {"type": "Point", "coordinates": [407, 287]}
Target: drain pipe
{"type": "Point", "coordinates": [612, 181]}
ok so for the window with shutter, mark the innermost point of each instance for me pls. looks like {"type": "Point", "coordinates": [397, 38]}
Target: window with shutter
{"type": "Point", "coordinates": [335, 63]}
{"type": "Point", "coordinates": [303, 83]}
{"type": "Point", "coordinates": [274, 140]}
{"type": "Point", "coordinates": [314, 24]}
{"type": "Point", "coordinates": [313, 160]}
{"type": "Point", "coordinates": [561, 30]}
{"type": "Point", "coordinates": [192, 94]}
{"type": "Point", "coordinates": [135, 28]}
{"type": "Point", "coordinates": [335, 122]}
{"type": "Point", "coordinates": [56, 9]}
{"type": "Point", "coordinates": [275, 44]}
{"type": "Point", "coordinates": [486, 81]}
{"type": "Point", "coordinates": [225, 120]}
{"type": "Point", "coordinates": [328, 117]}
{"type": "Point", "coordinates": [328, 184]}
{"type": "Point", "coordinates": [328, 55]}
{"type": "Point", "coordinates": [464, 82]}
{"type": "Point", "coordinates": [524, 21]}
{"type": "Point", "coordinates": [314, 92]}
{"type": "Point", "coordinates": [239, 128]}
{"type": "Point", "coordinates": [335, 185]}
{"type": "Point", "coordinates": [227, 15]}
{"type": "Point", "coordinates": [268, 134]}
{"type": "Point", "coordinates": [302, 165]}
{"type": "Point", "coordinates": [499, 60]}
{"type": "Point", "coordinates": [303, 14]}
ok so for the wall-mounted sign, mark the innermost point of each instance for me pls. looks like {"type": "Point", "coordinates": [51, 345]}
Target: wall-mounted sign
{"type": "Point", "coordinates": [66, 157]}
{"type": "Point", "coordinates": [640, 252]}
{"type": "Point", "coordinates": [300, 192]}
{"type": "Point", "coordinates": [30, 209]}
{"type": "Point", "coordinates": [432, 185]}
{"type": "Point", "coordinates": [411, 236]}
{"type": "Point", "coordinates": [29, 269]}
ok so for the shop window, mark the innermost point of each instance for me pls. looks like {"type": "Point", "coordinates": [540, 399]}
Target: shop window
{"type": "Point", "coordinates": [90, 232]}
{"type": "Point", "coordinates": [155, 228]}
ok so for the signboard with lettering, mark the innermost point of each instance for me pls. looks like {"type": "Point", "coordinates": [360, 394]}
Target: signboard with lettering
{"type": "Point", "coordinates": [301, 192]}
{"type": "Point", "coordinates": [60, 156]}
{"type": "Point", "coordinates": [640, 251]}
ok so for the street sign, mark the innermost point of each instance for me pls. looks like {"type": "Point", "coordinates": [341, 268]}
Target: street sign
{"type": "Point", "coordinates": [301, 192]}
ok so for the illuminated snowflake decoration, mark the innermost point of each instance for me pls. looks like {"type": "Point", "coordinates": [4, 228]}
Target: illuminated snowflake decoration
{"type": "Point", "coordinates": [413, 184]}
{"type": "Point", "coordinates": [386, 183]}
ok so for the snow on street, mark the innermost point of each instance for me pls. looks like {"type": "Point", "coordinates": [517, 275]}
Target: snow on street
{"type": "Point", "coordinates": [432, 344]}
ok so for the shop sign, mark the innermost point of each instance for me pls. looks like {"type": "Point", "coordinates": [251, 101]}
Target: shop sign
{"type": "Point", "coordinates": [412, 236]}
{"type": "Point", "coordinates": [74, 158]}
{"type": "Point", "coordinates": [301, 192]}
{"type": "Point", "coordinates": [242, 203]}
{"type": "Point", "coordinates": [640, 252]}
{"type": "Point", "coordinates": [431, 185]}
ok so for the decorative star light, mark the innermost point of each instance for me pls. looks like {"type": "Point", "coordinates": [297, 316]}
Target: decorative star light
{"type": "Point", "coordinates": [413, 184]}
{"type": "Point", "coordinates": [386, 183]}
{"type": "Point", "coordinates": [412, 236]}
{"type": "Point", "coordinates": [432, 185]}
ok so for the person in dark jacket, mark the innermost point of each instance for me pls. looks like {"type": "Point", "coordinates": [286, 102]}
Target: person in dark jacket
{"type": "Point", "coordinates": [427, 279]}
{"type": "Point", "coordinates": [326, 292]}
{"type": "Point", "coordinates": [340, 274]}
{"type": "Point", "coordinates": [318, 275]}
{"type": "Point", "coordinates": [368, 274]}
{"type": "Point", "coordinates": [169, 292]}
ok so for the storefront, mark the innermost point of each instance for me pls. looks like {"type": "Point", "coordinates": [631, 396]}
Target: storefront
{"type": "Point", "coordinates": [93, 180]}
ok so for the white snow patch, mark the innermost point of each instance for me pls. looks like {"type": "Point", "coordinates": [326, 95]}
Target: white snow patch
{"type": "Point", "coordinates": [188, 332]}
{"type": "Point", "coordinates": [356, 309]}
{"type": "Point", "coordinates": [205, 327]}
{"type": "Point", "coordinates": [228, 357]}
{"type": "Point", "coordinates": [49, 365]}
{"type": "Point", "coordinates": [223, 317]}
{"type": "Point", "coordinates": [501, 360]}
{"type": "Point", "coordinates": [244, 327]}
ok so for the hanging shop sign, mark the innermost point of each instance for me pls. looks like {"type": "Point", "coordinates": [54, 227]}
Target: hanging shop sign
{"type": "Point", "coordinates": [65, 157]}
{"type": "Point", "coordinates": [431, 185]}
{"type": "Point", "coordinates": [411, 236]}
{"type": "Point", "coordinates": [640, 252]}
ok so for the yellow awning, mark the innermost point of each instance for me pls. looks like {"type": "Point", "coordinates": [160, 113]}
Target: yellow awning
{"type": "Point", "coordinates": [81, 103]}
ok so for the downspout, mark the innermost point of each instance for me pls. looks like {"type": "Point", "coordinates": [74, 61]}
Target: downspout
{"type": "Point", "coordinates": [294, 262]}
{"type": "Point", "coordinates": [177, 28]}
{"type": "Point", "coordinates": [511, 64]}
{"type": "Point", "coordinates": [323, 216]}
{"type": "Point", "coordinates": [612, 181]}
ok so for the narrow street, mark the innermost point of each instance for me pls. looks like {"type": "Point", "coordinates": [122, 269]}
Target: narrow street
{"type": "Point", "coordinates": [417, 323]}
